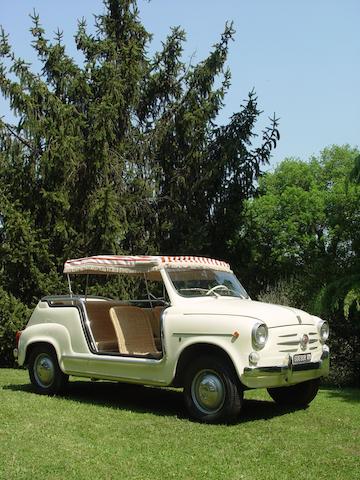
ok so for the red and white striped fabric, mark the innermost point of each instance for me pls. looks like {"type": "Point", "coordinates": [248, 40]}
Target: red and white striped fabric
{"type": "Point", "coordinates": [104, 264]}
{"type": "Point", "coordinates": [190, 261]}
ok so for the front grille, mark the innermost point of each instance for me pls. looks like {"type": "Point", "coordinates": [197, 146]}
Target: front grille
{"type": "Point", "coordinates": [290, 342]}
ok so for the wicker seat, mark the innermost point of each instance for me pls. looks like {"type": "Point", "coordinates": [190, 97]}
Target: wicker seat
{"type": "Point", "coordinates": [133, 331]}
{"type": "Point", "coordinates": [101, 325]}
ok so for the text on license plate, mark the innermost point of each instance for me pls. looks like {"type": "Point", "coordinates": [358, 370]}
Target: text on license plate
{"type": "Point", "coordinates": [301, 358]}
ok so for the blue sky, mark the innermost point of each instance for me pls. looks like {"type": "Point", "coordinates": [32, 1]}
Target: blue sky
{"type": "Point", "coordinates": [301, 56]}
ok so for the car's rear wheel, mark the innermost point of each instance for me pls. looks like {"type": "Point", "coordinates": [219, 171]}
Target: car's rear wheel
{"type": "Point", "coordinates": [211, 391]}
{"type": "Point", "coordinates": [44, 371]}
{"type": "Point", "coordinates": [299, 395]}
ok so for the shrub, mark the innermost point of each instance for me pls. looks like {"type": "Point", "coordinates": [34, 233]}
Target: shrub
{"type": "Point", "coordinates": [285, 292]}
{"type": "Point", "coordinates": [344, 324]}
{"type": "Point", "coordinates": [13, 316]}
{"type": "Point", "coordinates": [344, 361]}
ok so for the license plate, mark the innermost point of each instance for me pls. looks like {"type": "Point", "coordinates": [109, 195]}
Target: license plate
{"type": "Point", "coordinates": [301, 358]}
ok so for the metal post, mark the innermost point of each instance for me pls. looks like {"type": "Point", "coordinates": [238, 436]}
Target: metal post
{"type": "Point", "coordinates": [147, 290]}
{"type": "Point", "coordinates": [69, 283]}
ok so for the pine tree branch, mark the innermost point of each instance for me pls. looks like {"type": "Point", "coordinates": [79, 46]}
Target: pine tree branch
{"type": "Point", "coordinates": [12, 130]}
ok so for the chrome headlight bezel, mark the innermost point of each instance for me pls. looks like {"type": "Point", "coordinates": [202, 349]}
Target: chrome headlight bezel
{"type": "Point", "coordinates": [259, 335]}
{"type": "Point", "coordinates": [323, 330]}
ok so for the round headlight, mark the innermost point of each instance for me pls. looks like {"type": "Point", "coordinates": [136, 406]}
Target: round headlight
{"type": "Point", "coordinates": [323, 331]}
{"type": "Point", "coordinates": [259, 335]}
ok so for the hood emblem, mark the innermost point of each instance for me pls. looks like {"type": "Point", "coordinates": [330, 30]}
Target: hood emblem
{"type": "Point", "coordinates": [299, 319]}
{"type": "Point", "coordinates": [304, 340]}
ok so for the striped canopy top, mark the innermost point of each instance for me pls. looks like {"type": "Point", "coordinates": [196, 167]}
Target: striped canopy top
{"type": "Point", "coordinates": [107, 264]}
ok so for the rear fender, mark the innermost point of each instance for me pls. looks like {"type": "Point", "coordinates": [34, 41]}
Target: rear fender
{"type": "Point", "coordinates": [46, 333]}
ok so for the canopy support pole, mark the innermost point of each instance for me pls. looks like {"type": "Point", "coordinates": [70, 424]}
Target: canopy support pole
{"type": "Point", "coordinates": [147, 290]}
{"type": "Point", "coordinates": [69, 283]}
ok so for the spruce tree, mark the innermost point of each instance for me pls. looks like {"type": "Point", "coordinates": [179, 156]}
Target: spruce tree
{"type": "Point", "coordinates": [120, 152]}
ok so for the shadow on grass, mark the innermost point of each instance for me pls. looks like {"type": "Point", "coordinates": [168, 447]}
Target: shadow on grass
{"type": "Point", "coordinates": [146, 399]}
{"type": "Point", "coordinates": [264, 410]}
{"type": "Point", "coordinates": [351, 395]}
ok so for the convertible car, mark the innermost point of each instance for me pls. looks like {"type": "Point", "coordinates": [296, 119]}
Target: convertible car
{"type": "Point", "coordinates": [193, 326]}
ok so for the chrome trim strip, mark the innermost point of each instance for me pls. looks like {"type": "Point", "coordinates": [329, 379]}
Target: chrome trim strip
{"type": "Point", "coordinates": [87, 323]}
{"type": "Point", "coordinates": [162, 335]}
{"type": "Point", "coordinates": [221, 315]}
{"type": "Point", "coordinates": [291, 325]}
{"type": "Point", "coordinates": [114, 358]}
{"type": "Point", "coordinates": [179, 334]}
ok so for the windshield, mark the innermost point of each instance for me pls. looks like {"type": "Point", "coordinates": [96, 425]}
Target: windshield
{"type": "Point", "coordinates": [199, 283]}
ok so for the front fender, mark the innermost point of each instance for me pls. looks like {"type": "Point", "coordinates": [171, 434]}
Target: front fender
{"type": "Point", "coordinates": [226, 344]}
{"type": "Point", "coordinates": [228, 333]}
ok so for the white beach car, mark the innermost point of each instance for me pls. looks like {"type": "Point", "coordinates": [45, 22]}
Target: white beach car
{"type": "Point", "coordinates": [196, 328]}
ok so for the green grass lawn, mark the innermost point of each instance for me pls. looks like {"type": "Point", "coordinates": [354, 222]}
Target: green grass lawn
{"type": "Point", "coordinates": [102, 430]}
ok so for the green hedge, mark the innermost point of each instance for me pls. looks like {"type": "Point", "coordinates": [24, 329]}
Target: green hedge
{"type": "Point", "coordinates": [344, 338]}
{"type": "Point", "coordinates": [13, 316]}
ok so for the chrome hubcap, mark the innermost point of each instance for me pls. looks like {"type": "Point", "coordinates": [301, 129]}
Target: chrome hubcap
{"type": "Point", "coordinates": [207, 391]}
{"type": "Point", "coordinates": [44, 370]}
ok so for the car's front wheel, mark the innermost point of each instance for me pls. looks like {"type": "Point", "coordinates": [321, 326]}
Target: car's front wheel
{"type": "Point", "coordinates": [44, 371]}
{"type": "Point", "coordinates": [211, 391]}
{"type": "Point", "coordinates": [299, 395]}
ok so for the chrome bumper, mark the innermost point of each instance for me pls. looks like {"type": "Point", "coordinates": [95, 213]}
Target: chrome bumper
{"type": "Point", "coordinates": [257, 377]}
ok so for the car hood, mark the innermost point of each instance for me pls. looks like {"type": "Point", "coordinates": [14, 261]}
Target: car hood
{"type": "Point", "coordinates": [272, 315]}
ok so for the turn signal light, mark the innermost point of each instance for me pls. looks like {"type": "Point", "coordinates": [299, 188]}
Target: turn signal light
{"type": "Point", "coordinates": [17, 337]}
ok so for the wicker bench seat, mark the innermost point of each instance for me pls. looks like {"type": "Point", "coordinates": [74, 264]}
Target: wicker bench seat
{"type": "Point", "coordinates": [125, 329]}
